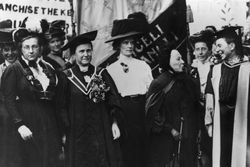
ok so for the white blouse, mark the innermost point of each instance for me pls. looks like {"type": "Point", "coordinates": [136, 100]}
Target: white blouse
{"type": "Point", "coordinates": [131, 76]}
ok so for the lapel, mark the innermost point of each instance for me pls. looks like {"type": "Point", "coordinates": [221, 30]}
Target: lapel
{"type": "Point", "coordinates": [28, 74]}
{"type": "Point", "coordinates": [77, 78]}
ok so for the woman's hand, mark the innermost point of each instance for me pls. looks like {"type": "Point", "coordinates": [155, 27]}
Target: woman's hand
{"type": "Point", "coordinates": [115, 131]}
{"type": "Point", "coordinates": [176, 134]}
{"type": "Point", "coordinates": [210, 130]}
{"type": "Point", "coordinates": [25, 132]}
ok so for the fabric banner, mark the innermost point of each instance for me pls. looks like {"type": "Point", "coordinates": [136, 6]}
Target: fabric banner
{"type": "Point", "coordinates": [167, 18]}
{"type": "Point", "coordinates": [34, 11]}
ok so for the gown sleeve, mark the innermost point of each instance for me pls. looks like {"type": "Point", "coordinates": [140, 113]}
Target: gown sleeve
{"type": "Point", "coordinates": [62, 100]}
{"type": "Point", "coordinates": [112, 98]}
{"type": "Point", "coordinates": [209, 87]}
{"type": "Point", "coordinates": [10, 93]}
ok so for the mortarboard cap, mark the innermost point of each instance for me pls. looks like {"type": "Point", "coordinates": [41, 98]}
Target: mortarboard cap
{"type": "Point", "coordinates": [6, 37]}
{"type": "Point", "coordinates": [229, 32]}
{"type": "Point", "coordinates": [81, 39]}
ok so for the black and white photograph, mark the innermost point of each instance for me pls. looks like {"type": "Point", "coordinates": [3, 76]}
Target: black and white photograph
{"type": "Point", "coordinates": [124, 83]}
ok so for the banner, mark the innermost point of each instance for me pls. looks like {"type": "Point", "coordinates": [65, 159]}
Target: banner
{"type": "Point", "coordinates": [35, 10]}
{"type": "Point", "coordinates": [167, 18]}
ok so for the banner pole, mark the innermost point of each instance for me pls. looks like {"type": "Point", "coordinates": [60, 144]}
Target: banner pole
{"type": "Point", "coordinates": [72, 18]}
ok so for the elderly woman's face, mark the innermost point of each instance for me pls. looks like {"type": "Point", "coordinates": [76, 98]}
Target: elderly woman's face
{"type": "Point", "coordinates": [176, 62]}
{"type": "Point", "coordinates": [9, 53]}
{"type": "Point", "coordinates": [83, 54]}
{"type": "Point", "coordinates": [31, 49]}
{"type": "Point", "coordinates": [127, 47]}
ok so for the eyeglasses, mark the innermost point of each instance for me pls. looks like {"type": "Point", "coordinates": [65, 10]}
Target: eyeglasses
{"type": "Point", "coordinates": [124, 67]}
{"type": "Point", "coordinates": [33, 47]}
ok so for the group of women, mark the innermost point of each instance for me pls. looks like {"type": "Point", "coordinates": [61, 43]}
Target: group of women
{"type": "Point", "coordinates": [100, 111]}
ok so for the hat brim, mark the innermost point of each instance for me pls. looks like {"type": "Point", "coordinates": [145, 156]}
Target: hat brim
{"type": "Point", "coordinates": [246, 46]}
{"type": "Point", "coordinates": [123, 36]}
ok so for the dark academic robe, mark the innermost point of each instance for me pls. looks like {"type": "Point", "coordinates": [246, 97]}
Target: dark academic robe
{"type": "Point", "coordinates": [180, 101]}
{"type": "Point", "coordinates": [89, 136]}
{"type": "Point", "coordinates": [228, 90]}
{"type": "Point", "coordinates": [28, 105]}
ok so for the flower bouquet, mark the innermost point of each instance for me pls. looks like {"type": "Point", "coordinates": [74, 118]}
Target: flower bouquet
{"type": "Point", "coordinates": [98, 89]}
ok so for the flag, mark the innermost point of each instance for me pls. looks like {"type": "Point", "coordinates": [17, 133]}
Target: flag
{"type": "Point", "coordinates": [167, 20]}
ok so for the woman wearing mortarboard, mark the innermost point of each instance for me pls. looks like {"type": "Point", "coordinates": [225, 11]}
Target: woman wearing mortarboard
{"type": "Point", "coordinates": [227, 102]}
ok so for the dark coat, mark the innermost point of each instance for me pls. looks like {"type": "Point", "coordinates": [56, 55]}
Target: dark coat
{"type": "Point", "coordinates": [26, 107]}
{"type": "Point", "coordinates": [88, 124]}
{"type": "Point", "coordinates": [181, 101]}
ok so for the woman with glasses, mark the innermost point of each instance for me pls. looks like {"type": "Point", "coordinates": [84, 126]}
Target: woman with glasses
{"type": "Point", "coordinates": [29, 90]}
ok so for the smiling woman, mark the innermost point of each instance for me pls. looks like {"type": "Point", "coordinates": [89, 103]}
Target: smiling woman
{"type": "Point", "coordinates": [179, 103]}
{"type": "Point", "coordinates": [8, 142]}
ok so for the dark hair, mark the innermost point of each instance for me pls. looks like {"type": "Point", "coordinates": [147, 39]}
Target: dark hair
{"type": "Point", "coordinates": [116, 44]}
{"type": "Point", "coordinates": [237, 41]}
{"type": "Point", "coordinates": [206, 36]}
{"type": "Point", "coordinates": [208, 43]}
{"type": "Point", "coordinates": [211, 27]}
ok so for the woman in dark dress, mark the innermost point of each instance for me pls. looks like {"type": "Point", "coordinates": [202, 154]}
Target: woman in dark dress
{"type": "Point", "coordinates": [179, 103]}
{"type": "Point", "coordinates": [8, 143]}
{"type": "Point", "coordinates": [29, 88]}
{"type": "Point", "coordinates": [92, 118]}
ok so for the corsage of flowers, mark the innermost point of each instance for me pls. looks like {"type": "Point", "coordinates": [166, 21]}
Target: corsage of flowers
{"type": "Point", "coordinates": [98, 89]}
{"type": "Point", "coordinates": [30, 77]}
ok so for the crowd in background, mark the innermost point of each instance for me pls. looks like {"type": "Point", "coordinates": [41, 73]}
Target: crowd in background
{"type": "Point", "coordinates": [65, 112]}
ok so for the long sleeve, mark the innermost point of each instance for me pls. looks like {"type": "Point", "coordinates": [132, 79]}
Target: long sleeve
{"type": "Point", "coordinates": [9, 88]}
{"type": "Point", "coordinates": [113, 97]}
{"type": "Point", "coordinates": [62, 99]}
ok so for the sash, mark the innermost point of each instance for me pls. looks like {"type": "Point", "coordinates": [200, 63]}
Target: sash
{"type": "Point", "coordinates": [76, 81]}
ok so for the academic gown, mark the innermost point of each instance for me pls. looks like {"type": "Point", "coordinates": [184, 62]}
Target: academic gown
{"type": "Point", "coordinates": [89, 136]}
{"type": "Point", "coordinates": [224, 79]}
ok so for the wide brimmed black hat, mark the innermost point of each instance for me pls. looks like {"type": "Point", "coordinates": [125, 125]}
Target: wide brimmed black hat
{"type": "Point", "coordinates": [6, 25]}
{"type": "Point", "coordinates": [53, 33]}
{"type": "Point", "coordinates": [81, 39]}
{"type": "Point", "coordinates": [21, 34]}
{"type": "Point", "coordinates": [132, 26]}
{"type": "Point", "coordinates": [54, 29]}
{"type": "Point", "coordinates": [6, 36]}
